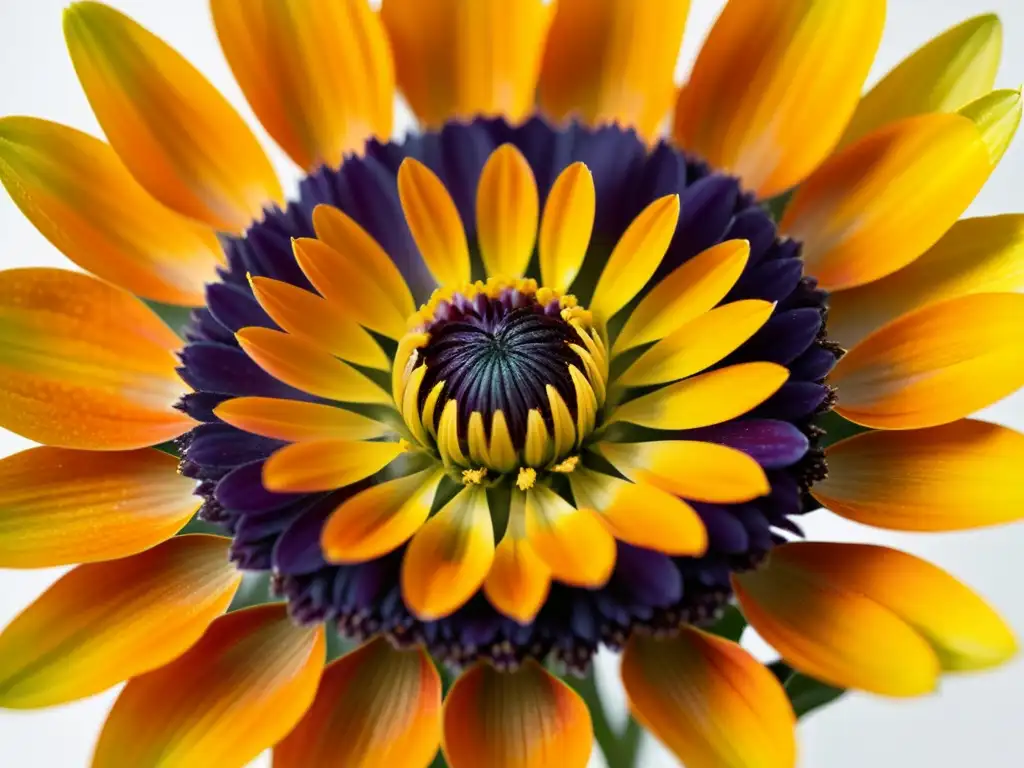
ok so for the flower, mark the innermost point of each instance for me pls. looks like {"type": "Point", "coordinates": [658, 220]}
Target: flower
{"type": "Point", "coordinates": [528, 382]}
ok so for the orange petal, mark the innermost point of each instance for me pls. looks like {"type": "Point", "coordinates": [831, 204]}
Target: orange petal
{"type": "Point", "coordinates": [457, 59]}
{"type": "Point", "coordinates": [804, 63]}
{"type": "Point", "coordinates": [641, 514]}
{"type": "Point", "coordinates": [566, 226]}
{"type": "Point", "coordinates": [709, 701]}
{"type": "Point", "coordinates": [106, 622]}
{"type": "Point", "coordinates": [376, 706]}
{"type": "Point", "coordinates": [612, 61]}
{"type": "Point", "coordinates": [318, 75]}
{"type": "Point", "coordinates": [519, 580]}
{"type": "Point", "coordinates": [832, 630]}
{"type": "Point", "coordinates": [296, 421]}
{"type": "Point", "coordinates": [177, 135]}
{"type": "Point", "coordinates": [326, 464]}
{"type": "Point", "coordinates": [379, 519]}
{"type": "Point", "coordinates": [84, 364]}
{"type": "Point", "coordinates": [935, 365]}
{"type": "Point", "coordinates": [522, 719]}
{"type": "Point", "coordinates": [903, 185]}
{"type": "Point", "coordinates": [320, 321]}
{"type": "Point", "coordinates": [306, 366]}
{"type": "Point", "coordinates": [691, 469]}
{"type": "Point", "coordinates": [77, 193]}
{"type": "Point", "coordinates": [574, 543]}
{"type": "Point", "coordinates": [60, 506]}
{"type": "Point", "coordinates": [947, 478]}
{"type": "Point", "coordinates": [707, 399]}
{"type": "Point", "coordinates": [983, 255]}
{"type": "Point", "coordinates": [239, 690]}
{"type": "Point", "coordinates": [506, 212]}
{"type": "Point", "coordinates": [960, 630]}
{"type": "Point", "coordinates": [434, 222]}
{"type": "Point", "coordinates": [448, 559]}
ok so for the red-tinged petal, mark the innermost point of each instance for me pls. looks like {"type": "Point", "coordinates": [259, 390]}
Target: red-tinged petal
{"type": "Point", "coordinates": [522, 719]}
{"type": "Point", "coordinates": [326, 464]}
{"type": "Point", "coordinates": [574, 543]}
{"type": "Point", "coordinates": [376, 706]}
{"type": "Point", "coordinates": [84, 364]}
{"type": "Point", "coordinates": [106, 622]}
{"type": "Point", "coordinates": [60, 506]}
{"type": "Point", "coordinates": [239, 690]}
{"type": "Point", "coordinates": [709, 701]}
{"type": "Point", "coordinates": [79, 195]}
{"type": "Point", "coordinates": [297, 421]}
{"type": "Point", "coordinates": [177, 135]}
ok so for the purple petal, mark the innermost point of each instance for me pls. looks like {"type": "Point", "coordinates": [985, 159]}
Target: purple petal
{"type": "Point", "coordinates": [773, 444]}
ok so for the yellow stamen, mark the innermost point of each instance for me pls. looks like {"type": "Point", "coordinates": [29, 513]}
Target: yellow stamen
{"type": "Point", "coordinates": [567, 466]}
{"type": "Point", "coordinates": [527, 478]}
{"type": "Point", "coordinates": [474, 476]}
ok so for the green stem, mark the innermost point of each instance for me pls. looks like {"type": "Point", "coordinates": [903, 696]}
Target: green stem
{"type": "Point", "coordinates": [619, 749]}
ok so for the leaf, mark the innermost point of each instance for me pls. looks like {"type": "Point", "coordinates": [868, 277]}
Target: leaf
{"type": "Point", "coordinates": [176, 317]}
{"type": "Point", "coordinates": [837, 428]}
{"type": "Point", "coordinates": [731, 625]}
{"type": "Point", "coordinates": [807, 694]}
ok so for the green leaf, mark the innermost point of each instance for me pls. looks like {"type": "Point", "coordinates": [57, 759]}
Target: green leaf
{"type": "Point", "coordinates": [255, 590]}
{"type": "Point", "coordinates": [837, 428]}
{"type": "Point", "coordinates": [807, 694]}
{"type": "Point", "coordinates": [731, 625]}
{"type": "Point", "coordinates": [776, 206]}
{"type": "Point", "coordinates": [176, 317]}
{"type": "Point", "coordinates": [195, 525]}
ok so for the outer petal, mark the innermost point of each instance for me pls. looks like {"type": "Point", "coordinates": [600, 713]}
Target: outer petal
{"type": "Point", "coordinates": [803, 63]}
{"type": "Point", "coordinates": [943, 75]}
{"type": "Point", "coordinates": [903, 185]}
{"type": "Point", "coordinates": [296, 421]}
{"type": "Point", "coordinates": [709, 701]}
{"type": "Point", "coordinates": [434, 222]}
{"type": "Point", "coordinates": [573, 542]}
{"type": "Point", "coordinates": [458, 59]}
{"type": "Point", "coordinates": [103, 623]}
{"type": "Point", "coordinates": [566, 226]}
{"type": "Point", "coordinates": [326, 464]}
{"type": "Point", "coordinates": [448, 559]}
{"type": "Point", "coordinates": [318, 75]}
{"type": "Point", "coordinates": [612, 61]}
{"type": "Point", "coordinates": [59, 506]}
{"type": "Point", "coordinates": [980, 255]}
{"type": "Point", "coordinates": [506, 212]}
{"type": "Point", "coordinates": [376, 706]}
{"type": "Point", "coordinates": [707, 399]}
{"type": "Point", "coordinates": [935, 365]}
{"type": "Point", "coordinates": [997, 115]}
{"type": "Point", "coordinates": [519, 580]}
{"type": "Point", "coordinates": [143, 92]}
{"type": "Point", "coordinates": [521, 719]}
{"type": "Point", "coordinates": [77, 193]}
{"type": "Point", "coordinates": [239, 690]}
{"type": "Point", "coordinates": [946, 478]}
{"type": "Point", "coordinates": [84, 364]}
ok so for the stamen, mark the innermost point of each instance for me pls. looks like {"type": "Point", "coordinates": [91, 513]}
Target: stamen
{"type": "Point", "coordinates": [474, 476]}
{"type": "Point", "coordinates": [568, 466]}
{"type": "Point", "coordinates": [526, 479]}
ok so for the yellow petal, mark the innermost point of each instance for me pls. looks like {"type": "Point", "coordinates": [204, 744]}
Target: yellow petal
{"type": "Point", "coordinates": [997, 116]}
{"type": "Point", "coordinates": [983, 255]}
{"type": "Point", "coordinates": [376, 706]}
{"type": "Point", "coordinates": [694, 470]}
{"type": "Point", "coordinates": [84, 364]}
{"type": "Point", "coordinates": [698, 344]}
{"type": "Point", "coordinates": [308, 367]}
{"type": "Point", "coordinates": [636, 256]}
{"type": "Point", "coordinates": [707, 399]}
{"type": "Point", "coordinates": [947, 478]}
{"type": "Point", "coordinates": [709, 701]}
{"type": "Point", "coordinates": [379, 519]}
{"type": "Point", "coordinates": [804, 63]}
{"type": "Point", "coordinates": [566, 226]}
{"type": "Point", "coordinates": [60, 506]}
{"type": "Point", "coordinates": [522, 719]}
{"type": "Point", "coordinates": [341, 232]}
{"type": "Point", "coordinates": [177, 135]}
{"type": "Point", "coordinates": [326, 464]}
{"type": "Point", "coordinates": [347, 280]}
{"type": "Point", "coordinates": [296, 421]}
{"type": "Point", "coordinates": [612, 61]}
{"type": "Point", "coordinates": [519, 580]}
{"type": "Point", "coordinates": [448, 559]}
{"type": "Point", "coordinates": [641, 514]}
{"type": "Point", "coordinates": [935, 365]}
{"type": "Point", "coordinates": [79, 195]}
{"type": "Point", "coordinates": [434, 222]}
{"type": "Point", "coordinates": [684, 295]}
{"type": "Point", "coordinates": [320, 321]}
{"type": "Point", "coordinates": [506, 212]}
{"type": "Point", "coordinates": [903, 185]}
{"type": "Point", "coordinates": [103, 623]}
{"type": "Point", "coordinates": [318, 76]}
{"type": "Point", "coordinates": [834, 632]}
{"type": "Point", "coordinates": [457, 59]}
{"type": "Point", "coordinates": [239, 690]}
{"type": "Point", "coordinates": [943, 75]}
{"type": "Point", "coordinates": [573, 542]}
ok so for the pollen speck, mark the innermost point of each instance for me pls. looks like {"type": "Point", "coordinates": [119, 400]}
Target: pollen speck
{"type": "Point", "coordinates": [527, 477]}
{"type": "Point", "coordinates": [474, 476]}
{"type": "Point", "coordinates": [567, 466]}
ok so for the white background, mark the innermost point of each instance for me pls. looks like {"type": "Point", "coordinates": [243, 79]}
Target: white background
{"type": "Point", "coordinates": [973, 720]}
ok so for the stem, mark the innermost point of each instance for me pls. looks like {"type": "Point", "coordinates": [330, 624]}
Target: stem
{"type": "Point", "coordinates": [619, 750]}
